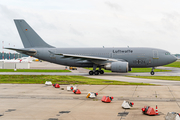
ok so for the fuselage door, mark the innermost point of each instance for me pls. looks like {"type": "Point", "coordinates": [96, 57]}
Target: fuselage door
{"type": "Point", "coordinates": [155, 54]}
{"type": "Point", "coordinates": [111, 55]}
{"type": "Point", "coordinates": [155, 57]}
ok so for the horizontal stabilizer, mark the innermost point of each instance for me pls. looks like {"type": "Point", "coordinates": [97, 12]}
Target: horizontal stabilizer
{"type": "Point", "coordinates": [23, 51]}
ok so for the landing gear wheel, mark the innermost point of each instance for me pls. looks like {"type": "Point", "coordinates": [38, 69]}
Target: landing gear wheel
{"type": "Point", "coordinates": [96, 72]}
{"type": "Point", "coordinates": [101, 72]}
{"type": "Point", "coordinates": [90, 72]}
{"type": "Point", "coordinates": [152, 72]}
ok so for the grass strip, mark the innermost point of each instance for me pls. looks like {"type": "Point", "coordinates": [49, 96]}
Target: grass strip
{"type": "Point", "coordinates": [32, 70]}
{"type": "Point", "coordinates": [174, 64]}
{"type": "Point", "coordinates": [140, 70]}
{"type": "Point", "coordinates": [174, 78]}
{"type": "Point", "coordinates": [41, 79]}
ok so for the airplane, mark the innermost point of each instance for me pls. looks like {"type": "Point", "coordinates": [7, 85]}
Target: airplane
{"type": "Point", "coordinates": [20, 60]}
{"type": "Point", "coordinates": [119, 60]}
{"type": "Point", "coordinates": [27, 59]}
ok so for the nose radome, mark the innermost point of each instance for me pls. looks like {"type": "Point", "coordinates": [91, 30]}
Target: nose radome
{"type": "Point", "coordinates": [174, 58]}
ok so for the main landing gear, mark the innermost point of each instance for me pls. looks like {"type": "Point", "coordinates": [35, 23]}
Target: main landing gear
{"type": "Point", "coordinates": [96, 72]}
{"type": "Point", "coordinates": [152, 71]}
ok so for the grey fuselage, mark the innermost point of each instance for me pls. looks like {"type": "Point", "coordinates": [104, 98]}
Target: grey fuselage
{"type": "Point", "coordinates": [136, 57]}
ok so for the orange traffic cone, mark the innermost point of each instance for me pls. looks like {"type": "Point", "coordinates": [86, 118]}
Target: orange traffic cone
{"type": "Point", "coordinates": [156, 110]}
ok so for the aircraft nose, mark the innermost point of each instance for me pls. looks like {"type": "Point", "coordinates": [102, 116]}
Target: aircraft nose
{"type": "Point", "coordinates": [173, 58]}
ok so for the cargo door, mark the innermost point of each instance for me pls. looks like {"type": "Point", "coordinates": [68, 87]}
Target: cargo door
{"type": "Point", "coordinates": [111, 55]}
{"type": "Point", "coordinates": [155, 54]}
{"type": "Point", "coordinates": [155, 57]}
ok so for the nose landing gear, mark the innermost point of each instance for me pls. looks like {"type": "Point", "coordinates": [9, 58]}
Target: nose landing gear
{"type": "Point", "coordinates": [152, 71]}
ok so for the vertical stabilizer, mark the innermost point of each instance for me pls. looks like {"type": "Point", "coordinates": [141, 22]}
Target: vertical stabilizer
{"type": "Point", "coordinates": [29, 37]}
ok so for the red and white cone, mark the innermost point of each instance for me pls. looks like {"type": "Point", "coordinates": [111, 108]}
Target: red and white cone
{"type": "Point", "coordinates": [156, 110]}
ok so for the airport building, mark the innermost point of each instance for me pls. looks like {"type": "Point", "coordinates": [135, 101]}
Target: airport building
{"type": "Point", "coordinates": [12, 55]}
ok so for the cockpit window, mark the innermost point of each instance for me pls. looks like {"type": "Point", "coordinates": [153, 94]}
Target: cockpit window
{"type": "Point", "coordinates": [167, 53]}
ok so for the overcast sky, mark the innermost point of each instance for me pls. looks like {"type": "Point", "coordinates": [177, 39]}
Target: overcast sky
{"type": "Point", "coordinates": [95, 23]}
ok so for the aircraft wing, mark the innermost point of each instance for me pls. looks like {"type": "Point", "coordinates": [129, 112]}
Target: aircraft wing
{"type": "Point", "coordinates": [87, 57]}
{"type": "Point", "coordinates": [97, 60]}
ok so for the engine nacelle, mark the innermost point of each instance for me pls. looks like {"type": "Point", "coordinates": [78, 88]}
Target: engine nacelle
{"type": "Point", "coordinates": [119, 66]}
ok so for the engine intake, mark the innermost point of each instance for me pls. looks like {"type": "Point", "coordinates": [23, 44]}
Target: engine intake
{"type": "Point", "coordinates": [119, 66]}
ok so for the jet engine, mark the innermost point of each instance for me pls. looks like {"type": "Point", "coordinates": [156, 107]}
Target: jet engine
{"type": "Point", "coordinates": [119, 66]}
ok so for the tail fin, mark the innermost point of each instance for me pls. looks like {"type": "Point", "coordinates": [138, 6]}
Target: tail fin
{"type": "Point", "coordinates": [29, 37]}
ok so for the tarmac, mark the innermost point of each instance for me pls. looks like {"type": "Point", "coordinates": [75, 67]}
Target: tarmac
{"type": "Point", "coordinates": [85, 72]}
{"type": "Point", "coordinates": [41, 102]}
